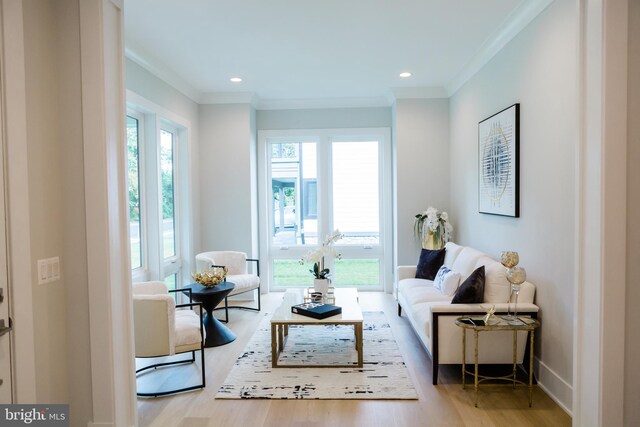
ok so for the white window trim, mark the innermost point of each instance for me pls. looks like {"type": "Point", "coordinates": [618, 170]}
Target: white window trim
{"type": "Point", "coordinates": [141, 273]}
{"type": "Point", "coordinates": [156, 118]}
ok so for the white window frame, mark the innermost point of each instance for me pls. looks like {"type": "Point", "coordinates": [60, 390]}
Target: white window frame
{"type": "Point", "coordinates": [140, 273]}
{"type": "Point", "coordinates": [173, 264]}
{"type": "Point", "coordinates": [324, 139]}
{"type": "Point", "coordinates": [155, 118]}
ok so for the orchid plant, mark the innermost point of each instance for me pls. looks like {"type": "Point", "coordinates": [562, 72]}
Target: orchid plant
{"type": "Point", "coordinates": [434, 222]}
{"type": "Point", "coordinates": [318, 255]}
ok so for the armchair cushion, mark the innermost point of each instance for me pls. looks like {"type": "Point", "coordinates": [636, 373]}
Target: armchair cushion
{"type": "Point", "coordinates": [243, 282]}
{"type": "Point", "coordinates": [236, 262]}
{"type": "Point", "coordinates": [187, 329]}
{"type": "Point", "coordinates": [154, 324]}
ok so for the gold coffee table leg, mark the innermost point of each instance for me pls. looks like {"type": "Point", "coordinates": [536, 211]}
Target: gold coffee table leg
{"type": "Point", "coordinates": [274, 346]}
{"type": "Point", "coordinates": [358, 332]}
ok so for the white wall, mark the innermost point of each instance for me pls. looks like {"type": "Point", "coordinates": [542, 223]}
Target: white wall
{"type": "Point", "coordinates": [46, 197]}
{"type": "Point", "coordinates": [69, 110]}
{"type": "Point", "coordinates": [324, 118]}
{"type": "Point", "coordinates": [226, 153]}
{"type": "Point", "coordinates": [538, 69]}
{"type": "Point", "coordinates": [632, 337]}
{"type": "Point", "coordinates": [158, 92]}
{"type": "Point", "coordinates": [422, 167]}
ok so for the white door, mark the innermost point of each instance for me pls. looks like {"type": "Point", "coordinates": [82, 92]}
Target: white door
{"type": "Point", "coordinates": [5, 336]}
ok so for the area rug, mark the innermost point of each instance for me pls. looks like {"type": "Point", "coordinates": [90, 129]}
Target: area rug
{"type": "Point", "coordinates": [383, 376]}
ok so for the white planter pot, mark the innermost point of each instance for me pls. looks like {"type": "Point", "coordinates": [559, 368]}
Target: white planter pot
{"type": "Point", "coordinates": [321, 285]}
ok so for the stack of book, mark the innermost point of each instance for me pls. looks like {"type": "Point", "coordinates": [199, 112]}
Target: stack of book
{"type": "Point", "coordinates": [316, 310]}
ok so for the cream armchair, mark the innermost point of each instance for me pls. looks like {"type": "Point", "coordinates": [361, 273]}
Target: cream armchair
{"type": "Point", "coordinates": [236, 263]}
{"type": "Point", "coordinates": [161, 330]}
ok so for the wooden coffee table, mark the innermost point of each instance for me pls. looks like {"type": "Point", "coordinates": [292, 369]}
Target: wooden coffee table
{"type": "Point", "coordinates": [347, 298]}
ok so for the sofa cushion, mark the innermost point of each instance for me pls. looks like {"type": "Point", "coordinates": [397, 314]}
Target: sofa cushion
{"type": "Point", "coordinates": [472, 289]}
{"type": "Point", "coordinates": [497, 288]}
{"type": "Point", "coordinates": [452, 251]}
{"type": "Point", "coordinates": [446, 281]}
{"type": "Point", "coordinates": [429, 263]}
{"type": "Point", "coordinates": [466, 261]}
{"type": "Point", "coordinates": [415, 291]}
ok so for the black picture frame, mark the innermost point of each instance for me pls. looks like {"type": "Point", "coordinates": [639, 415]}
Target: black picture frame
{"type": "Point", "coordinates": [499, 163]}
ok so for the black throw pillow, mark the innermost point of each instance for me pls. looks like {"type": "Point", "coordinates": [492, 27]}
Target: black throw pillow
{"type": "Point", "coordinates": [429, 263]}
{"type": "Point", "coordinates": [471, 291]}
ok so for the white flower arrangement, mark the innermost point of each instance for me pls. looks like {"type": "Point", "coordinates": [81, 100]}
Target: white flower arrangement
{"type": "Point", "coordinates": [318, 255]}
{"type": "Point", "coordinates": [434, 222]}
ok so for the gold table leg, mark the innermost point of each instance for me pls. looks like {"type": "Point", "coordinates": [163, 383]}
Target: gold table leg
{"type": "Point", "coordinates": [358, 331]}
{"type": "Point", "coordinates": [274, 346]}
{"type": "Point", "coordinates": [281, 337]}
{"type": "Point", "coordinates": [475, 356]}
{"type": "Point", "coordinates": [530, 367]}
{"type": "Point", "coordinates": [464, 355]}
{"type": "Point", "coordinates": [515, 356]}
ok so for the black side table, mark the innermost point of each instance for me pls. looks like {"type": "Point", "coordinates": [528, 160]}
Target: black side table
{"type": "Point", "coordinates": [217, 333]}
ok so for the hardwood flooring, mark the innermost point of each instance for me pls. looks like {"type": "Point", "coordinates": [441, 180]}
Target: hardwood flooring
{"type": "Point", "coordinates": [443, 405]}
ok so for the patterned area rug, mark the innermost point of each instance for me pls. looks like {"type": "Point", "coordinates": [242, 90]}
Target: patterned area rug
{"type": "Point", "coordinates": [383, 376]}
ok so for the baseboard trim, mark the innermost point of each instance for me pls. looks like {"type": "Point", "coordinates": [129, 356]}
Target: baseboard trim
{"type": "Point", "coordinates": [92, 424]}
{"type": "Point", "coordinates": [555, 386]}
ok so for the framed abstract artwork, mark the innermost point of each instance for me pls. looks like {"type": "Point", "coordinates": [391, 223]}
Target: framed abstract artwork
{"type": "Point", "coordinates": [498, 163]}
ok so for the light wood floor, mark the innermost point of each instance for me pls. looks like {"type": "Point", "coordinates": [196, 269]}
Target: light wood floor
{"type": "Point", "coordinates": [443, 405]}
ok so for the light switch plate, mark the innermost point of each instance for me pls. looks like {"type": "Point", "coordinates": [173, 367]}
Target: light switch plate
{"type": "Point", "coordinates": [48, 270]}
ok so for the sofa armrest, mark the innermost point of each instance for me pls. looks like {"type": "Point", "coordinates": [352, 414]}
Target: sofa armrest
{"type": "Point", "coordinates": [478, 308]}
{"type": "Point", "coordinates": [406, 272]}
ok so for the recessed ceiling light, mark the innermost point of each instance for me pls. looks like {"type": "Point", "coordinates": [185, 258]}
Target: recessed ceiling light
{"type": "Point", "coordinates": [235, 79]}
{"type": "Point", "coordinates": [405, 74]}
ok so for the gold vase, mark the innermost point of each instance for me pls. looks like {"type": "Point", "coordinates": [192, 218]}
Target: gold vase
{"type": "Point", "coordinates": [431, 241]}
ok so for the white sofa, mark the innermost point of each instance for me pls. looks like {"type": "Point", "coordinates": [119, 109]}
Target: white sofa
{"type": "Point", "coordinates": [432, 316]}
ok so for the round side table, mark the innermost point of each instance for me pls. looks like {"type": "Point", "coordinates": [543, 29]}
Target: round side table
{"type": "Point", "coordinates": [217, 333]}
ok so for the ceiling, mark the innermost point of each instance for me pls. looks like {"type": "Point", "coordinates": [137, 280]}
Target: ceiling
{"type": "Point", "coordinates": [306, 50]}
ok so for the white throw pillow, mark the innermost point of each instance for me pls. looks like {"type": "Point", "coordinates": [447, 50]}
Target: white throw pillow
{"type": "Point", "coordinates": [446, 281]}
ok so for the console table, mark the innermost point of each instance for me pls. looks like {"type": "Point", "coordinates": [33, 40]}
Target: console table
{"type": "Point", "coordinates": [496, 323]}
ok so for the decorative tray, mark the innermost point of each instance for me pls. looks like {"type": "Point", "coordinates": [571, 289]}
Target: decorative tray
{"type": "Point", "coordinates": [330, 298]}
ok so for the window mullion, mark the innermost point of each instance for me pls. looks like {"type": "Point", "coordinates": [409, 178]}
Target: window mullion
{"type": "Point", "coordinates": [152, 201]}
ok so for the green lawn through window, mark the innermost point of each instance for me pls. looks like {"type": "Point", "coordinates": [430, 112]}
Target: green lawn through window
{"type": "Point", "coordinates": [348, 272]}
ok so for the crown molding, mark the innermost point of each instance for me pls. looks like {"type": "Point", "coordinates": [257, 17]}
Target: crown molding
{"type": "Point", "coordinates": [299, 104]}
{"type": "Point", "coordinates": [161, 71]}
{"type": "Point", "coordinates": [513, 24]}
{"type": "Point", "coordinates": [418, 92]}
{"type": "Point", "coordinates": [230, 98]}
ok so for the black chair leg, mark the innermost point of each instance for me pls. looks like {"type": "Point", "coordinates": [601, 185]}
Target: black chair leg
{"type": "Point", "coordinates": [204, 382]}
{"type": "Point", "coordinates": [227, 307]}
{"type": "Point", "coordinates": [226, 310]}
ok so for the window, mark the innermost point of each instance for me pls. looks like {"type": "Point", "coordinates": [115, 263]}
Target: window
{"type": "Point", "coordinates": [133, 167]}
{"type": "Point", "coordinates": [154, 150]}
{"type": "Point", "coordinates": [320, 181]}
{"type": "Point", "coordinates": [167, 191]}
